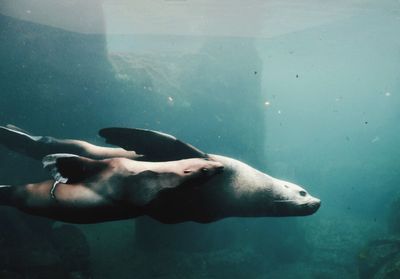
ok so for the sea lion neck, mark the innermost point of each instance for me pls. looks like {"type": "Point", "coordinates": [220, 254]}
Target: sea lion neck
{"type": "Point", "coordinates": [246, 186]}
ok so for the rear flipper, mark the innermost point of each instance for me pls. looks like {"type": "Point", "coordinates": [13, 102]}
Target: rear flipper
{"type": "Point", "coordinates": [6, 192]}
{"type": "Point", "coordinates": [21, 141]}
{"type": "Point", "coordinates": [37, 147]}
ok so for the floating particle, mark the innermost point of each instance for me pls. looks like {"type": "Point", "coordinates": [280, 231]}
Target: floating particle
{"type": "Point", "coordinates": [28, 11]}
{"type": "Point", "coordinates": [387, 94]}
{"type": "Point", "coordinates": [170, 99]}
{"type": "Point", "coordinates": [375, 139]}
{"type": "Point", "coordinates": [279, 111]}
{"type": "Point", "coordinates": [366, 122]}
{"type": "Point", "coordinates": [297, 76]}
{"type": "Point", "coordinates": [267, 103]}
{"type": "Point", "coordinates": [255, 72]}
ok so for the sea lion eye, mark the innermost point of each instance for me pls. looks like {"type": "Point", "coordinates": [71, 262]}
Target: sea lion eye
{"type": "Point", "coordinates": [303, 193]}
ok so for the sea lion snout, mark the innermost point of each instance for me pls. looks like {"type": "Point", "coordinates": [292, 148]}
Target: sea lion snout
{"type": "Point", "coordinates": [312, 206]}
{"type": "Point", "coordinates": [293, 200]}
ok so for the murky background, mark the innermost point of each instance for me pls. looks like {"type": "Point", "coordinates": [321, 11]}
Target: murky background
{"type": "Point", "coordinates": [307, 91]}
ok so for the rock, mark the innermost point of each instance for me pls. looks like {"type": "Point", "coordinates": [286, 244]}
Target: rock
{"type": "Point", "coordinates": [73, 250]}
{"type": "Point", "coordinates": [380, 259]}
{"type": "Point", "coordinates": [394, 220]}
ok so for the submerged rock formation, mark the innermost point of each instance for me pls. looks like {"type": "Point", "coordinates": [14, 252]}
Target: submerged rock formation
{"type": "Point", "coordinates": [380, 258]}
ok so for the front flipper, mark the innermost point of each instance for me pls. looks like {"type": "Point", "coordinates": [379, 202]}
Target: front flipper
{"type": "Point", "coordinates": [154, 146]}
{"type": "Point", "coordinates": [144, 187]}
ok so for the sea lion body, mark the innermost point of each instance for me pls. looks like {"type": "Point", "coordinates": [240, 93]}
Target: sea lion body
{"type": "Point", "coordinates": [109, 189]}
{"type": "Point", "coordinates": [169, 181]}
{"type": "Point", "coordinates": [238, 191]}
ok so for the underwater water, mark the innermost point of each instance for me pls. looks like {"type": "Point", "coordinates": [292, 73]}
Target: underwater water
{"type": "Point", "coordinates": [305, 91]}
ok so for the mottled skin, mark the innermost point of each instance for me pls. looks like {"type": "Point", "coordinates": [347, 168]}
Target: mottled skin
{"type": "Point", "coordinates": [196, 189]}
{"type": "Point", "coordinates": [111, 194]}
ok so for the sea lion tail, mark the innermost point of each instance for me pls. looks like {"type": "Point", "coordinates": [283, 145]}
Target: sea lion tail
{"type": "Point", "coordinates": [15, 128]}
{"type": "Point", "coordinates": [6, 193]}
{"type": "Point", "coordinates": [20, 141]}
{"type": "Point", "coordinates": [16, 131]}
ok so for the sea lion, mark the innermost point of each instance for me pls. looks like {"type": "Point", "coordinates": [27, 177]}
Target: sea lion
{"type": "Point", "coordinates": [153, 174]}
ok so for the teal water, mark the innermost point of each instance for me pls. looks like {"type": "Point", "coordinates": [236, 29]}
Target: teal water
{"type": "Point", "coordinates": [305, 91]}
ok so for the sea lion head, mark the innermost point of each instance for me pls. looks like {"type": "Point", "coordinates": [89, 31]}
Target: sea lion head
{"type": "Point", "coordinates": [289, 199]}
{"type": "Point", "coordinates": [248, 192]}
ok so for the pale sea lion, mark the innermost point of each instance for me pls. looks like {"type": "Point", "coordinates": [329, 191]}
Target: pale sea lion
{"type": "Point", "coordinates": [152, 174]}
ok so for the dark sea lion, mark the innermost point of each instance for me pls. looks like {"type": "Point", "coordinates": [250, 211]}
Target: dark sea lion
{"type": "Point", "coordinates": [164, 178]}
